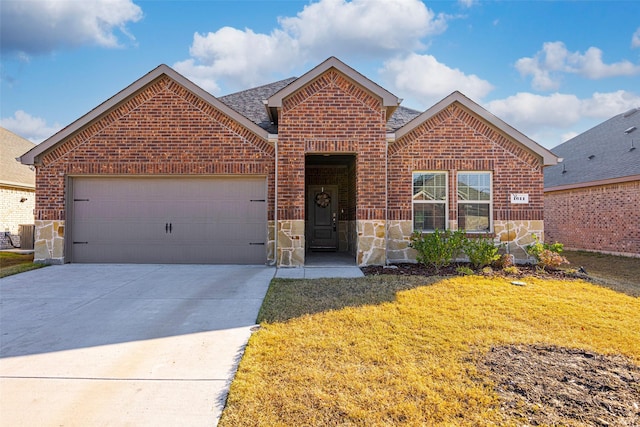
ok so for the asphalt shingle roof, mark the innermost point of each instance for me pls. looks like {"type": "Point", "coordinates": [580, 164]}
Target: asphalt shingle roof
{"type": "Point", "coordinates": [250, 104]}
{"type": "Point", "coordinates": [603, 152]}
{"type": "Point", "coordinates": [12, 172]}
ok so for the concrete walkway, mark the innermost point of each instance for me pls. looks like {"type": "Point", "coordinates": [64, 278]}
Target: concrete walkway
{"type": "Point", "coordinates": [140, 345]}
{"type": "Point", "coordinates": [323, 265]}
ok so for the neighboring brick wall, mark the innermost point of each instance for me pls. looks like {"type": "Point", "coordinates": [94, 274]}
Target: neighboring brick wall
{"type": "Point", "coordinates": [332, 115]}
{"type": "Point", "coordinates": [13, 213]}
{"type": "Point", "coordinates": [163, 130]}
{"type": "Point", "coordinates": [456, 140]}
{"type": "Point", "coordinates": [604, 218]}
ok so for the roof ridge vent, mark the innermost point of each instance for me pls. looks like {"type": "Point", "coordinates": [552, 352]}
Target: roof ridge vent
{"type": "Point", "coordinates": [630, 112]}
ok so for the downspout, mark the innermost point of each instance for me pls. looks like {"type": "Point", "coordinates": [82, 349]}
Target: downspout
{"type": "Point", "coordinates": [386, 201]}
{"type": "Point", "coordinates": [275, 207]}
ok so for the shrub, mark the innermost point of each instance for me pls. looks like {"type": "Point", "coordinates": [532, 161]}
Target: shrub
{"type": "Point", "coordinates": [512, 269]}
{"type": "Point", "coordinates": [547, 254]}
{"type": "Point", "coordinates": [505, 260]}
{"type": "Point", "coordinates": [437, 249]}
{"type": "Point", "coordinates": [548, 258]}
{"type": "Point", "coordinates": [481, 251]}
{"type": "Point", "coordinates": [464, 271]}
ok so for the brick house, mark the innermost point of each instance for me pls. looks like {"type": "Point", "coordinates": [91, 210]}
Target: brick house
{"type": "Point", "coordinates": [17, 190]}
{"type": "Point", "coordinates": [166, 172]}
{"type": "Point", "coordinates": [592, 199]}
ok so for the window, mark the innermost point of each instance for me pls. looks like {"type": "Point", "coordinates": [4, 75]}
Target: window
{"type": "Point", "coordinates": [474, 201]}
{"type": "Point", "coordinates": [429, 201]}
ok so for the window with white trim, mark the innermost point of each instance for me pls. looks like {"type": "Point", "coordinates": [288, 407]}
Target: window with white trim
{"type": "Point", "coordinates": [429, 201]}
{"type": "Point", "coordinates": [474, 202]}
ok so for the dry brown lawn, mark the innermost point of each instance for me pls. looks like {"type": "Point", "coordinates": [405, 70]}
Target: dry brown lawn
{"type": "Point", "coordinates": [391, 350]}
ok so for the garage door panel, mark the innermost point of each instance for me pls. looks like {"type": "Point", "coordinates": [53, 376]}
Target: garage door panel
{"type": "Point", "coordinates": [212, 220]}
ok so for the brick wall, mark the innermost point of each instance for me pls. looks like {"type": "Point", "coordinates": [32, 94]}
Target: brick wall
{"type": "Point", "coordinates": [604, 218]}
{"type": "Point", "coordinates": [456, 140]}
{"type": "Point", "coordinates": [332, 115]}
{"type": "Point", "coordinates": [13, 213]}
{"type": "Point", "coordinates": [163, 130]}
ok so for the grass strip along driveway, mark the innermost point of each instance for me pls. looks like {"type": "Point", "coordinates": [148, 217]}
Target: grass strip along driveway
{"type": "Point", "coordinates": [389, 350]}
{"type": "Point", "coordinates": [12, 263]}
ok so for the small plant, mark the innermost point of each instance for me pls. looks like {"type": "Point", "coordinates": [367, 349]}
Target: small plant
{"type": "Point", "coordinates": [487, 271]}
{"type": "Point", "coordinates": [548, 258]}
{"type": "Point", "coordinates": [547, 254]}
{"type": "Point", "coordinates": [512, 270]}
{"type": "Point", "coordinates": [481, 251]}
{"type": "Point", "coordinates": [505, 260]}
{"type": "Point", "coordinates": [464, 271]}
{"type": "Point", "coordinates": [437, 249]}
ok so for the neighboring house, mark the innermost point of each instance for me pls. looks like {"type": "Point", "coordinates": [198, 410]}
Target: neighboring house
{"type": "Point", "coordinates": [166, 172]}
{"type": "Point", "coordinates": [592, 199]}
{"type": "Point", "coordinates": [17, 189]}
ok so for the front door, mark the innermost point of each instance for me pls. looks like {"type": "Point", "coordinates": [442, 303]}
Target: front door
{"type": "Point", "coordinates": [322, 211]}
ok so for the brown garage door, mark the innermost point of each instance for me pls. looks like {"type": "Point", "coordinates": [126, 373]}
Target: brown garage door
{"type": "Point", "coordinates": [168, 220]}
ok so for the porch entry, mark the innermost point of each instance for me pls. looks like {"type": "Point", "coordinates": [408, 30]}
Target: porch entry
{"type": "Point", "coordinates": [330, 205]}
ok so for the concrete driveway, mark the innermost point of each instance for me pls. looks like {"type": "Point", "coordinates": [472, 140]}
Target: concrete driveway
{"type": "Point", "coordinates": [97, 344]}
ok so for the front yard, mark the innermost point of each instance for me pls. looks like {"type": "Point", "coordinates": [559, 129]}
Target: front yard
{"type": "Point", "coordinates": [408, 350]}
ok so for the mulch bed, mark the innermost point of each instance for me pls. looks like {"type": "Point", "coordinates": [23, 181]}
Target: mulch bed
{"type": "Point", "coordinates": [415, 269]}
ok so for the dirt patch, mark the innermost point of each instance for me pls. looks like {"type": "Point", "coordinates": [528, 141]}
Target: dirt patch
{"type": "Point", "coordinates": [548, 385]}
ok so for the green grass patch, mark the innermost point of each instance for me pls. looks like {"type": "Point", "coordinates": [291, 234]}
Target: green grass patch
{"type": "Point", "coordinates": [354, 352]}
{"type": "Point", "coordinates": [13, 263]}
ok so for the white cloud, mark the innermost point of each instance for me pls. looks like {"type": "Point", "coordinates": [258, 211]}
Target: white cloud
{"type": "Point", "coordinates": [40, 26]}
{"type": "Point", "coordinates": [27, 126]}
{"type": "Point", "coordinates": [549, 64]}
{"type": "Point", "coordinates": [467, 3]}
{"type": "Point", "coordinates": [242, 58]}
{"type": "Point", "coordinates": [549, 119]}
{"type": "Point", "coordinates": [635, 39]}
{"type": "Point", "coordinates": [422, 79]}
{"type": "Point", "coordinates": [365, 28]}
{"type": "Point", "coordinates": [362, 26]}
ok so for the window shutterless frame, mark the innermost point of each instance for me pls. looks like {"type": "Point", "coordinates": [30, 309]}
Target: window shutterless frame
{"type": "Point", "coordinates": [430, 195]}
{"type": "Point", "coordinates": [475, 201]}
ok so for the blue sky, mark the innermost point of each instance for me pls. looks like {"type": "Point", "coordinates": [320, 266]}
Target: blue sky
{"type": "Point", "coordinates": [551, 69]}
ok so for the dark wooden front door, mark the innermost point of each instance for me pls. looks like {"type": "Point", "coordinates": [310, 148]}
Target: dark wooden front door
{"type": "Point", "coordinates": [322, 211]}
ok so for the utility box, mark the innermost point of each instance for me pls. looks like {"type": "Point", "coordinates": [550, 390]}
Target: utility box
{"type": "Point", "coordinates": [26, 232]}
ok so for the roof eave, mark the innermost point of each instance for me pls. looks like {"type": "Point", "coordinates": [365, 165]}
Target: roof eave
{"type": "Point", "coordinates": [548, 158]}
{"type": "Point", "coordinates": [33, 156]}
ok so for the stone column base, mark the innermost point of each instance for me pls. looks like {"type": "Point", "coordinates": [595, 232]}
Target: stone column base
{"type": "Point", "coordinates": [290, 243]}
{"type": "Point", "coordinates": [371, 242]}
{"type": "Point", "coordinates": [49, 242]}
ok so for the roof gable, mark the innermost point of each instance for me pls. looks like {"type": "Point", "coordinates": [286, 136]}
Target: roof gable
{"type": "Point", "coordinates": [547, 156]}
{"type": "Point", "coordinates": [33, 156]}
{"type": "Point", "coordinates": [12, 173]}
{"type": "Point", "coordinates": [389, 100]}
{"type": "Point", "coordinates": [608, 151]}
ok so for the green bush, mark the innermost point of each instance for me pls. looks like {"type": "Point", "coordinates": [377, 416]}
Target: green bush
{"type": "Point", "coordinates": [437, 249]}
{"type": "Point", "coordinates": [547, 254]}
{"type": "Point", "coordinates": [481, 251]}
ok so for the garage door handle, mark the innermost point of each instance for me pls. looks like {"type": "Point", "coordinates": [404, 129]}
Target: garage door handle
{"type": "Point", "coordinates": [166, 227]}
{"type": "Point", "coordinates": [170, 227]}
